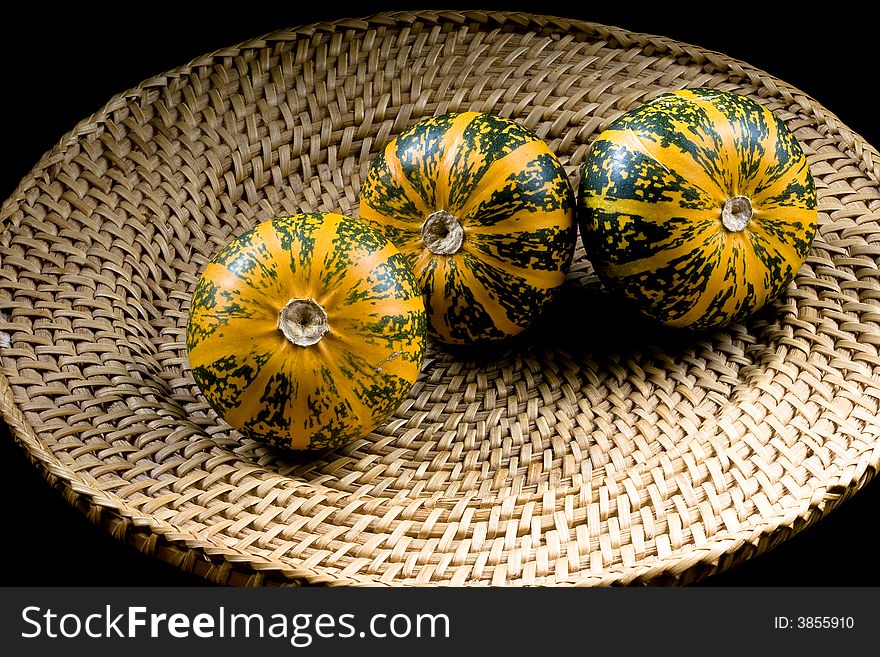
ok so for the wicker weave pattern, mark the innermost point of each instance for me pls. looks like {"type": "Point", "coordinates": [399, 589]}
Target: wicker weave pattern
{"type": "Point", "coordinates": [597, 450]}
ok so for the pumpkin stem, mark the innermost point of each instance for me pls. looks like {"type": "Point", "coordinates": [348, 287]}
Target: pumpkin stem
{"type": "Point", "coordinates": [736, 213]}
{"type": "Point", "coordinates": [442, 233]}
{"type": "Point", "coordinates": [303, 322]}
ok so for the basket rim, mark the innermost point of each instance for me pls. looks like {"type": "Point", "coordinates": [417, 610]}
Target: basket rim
{"type": "Point", "coordinates": [169, 543]}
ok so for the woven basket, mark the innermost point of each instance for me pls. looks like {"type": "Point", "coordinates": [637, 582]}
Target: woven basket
{"type": "Point", "coordinates": [595, 450]}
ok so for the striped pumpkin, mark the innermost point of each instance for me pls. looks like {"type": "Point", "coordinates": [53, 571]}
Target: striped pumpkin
{"type": "Point", "coordinates": [306, 331]}
{"type": "Point", "coordinates": [484, 212]}
{"type": "Point", "coordinates": [698, 206]}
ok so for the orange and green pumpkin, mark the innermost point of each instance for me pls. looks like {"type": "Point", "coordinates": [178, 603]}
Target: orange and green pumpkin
{"type": "Point", "coordinates": [484, 212]}
{"type": "Point", "coordinates": [306, 331]}
{"type": "Point", "coordinates": [698, 206]}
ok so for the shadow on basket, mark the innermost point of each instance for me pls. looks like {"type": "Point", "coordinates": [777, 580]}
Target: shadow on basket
{"type": "Point", "coordinates": [589, 341]}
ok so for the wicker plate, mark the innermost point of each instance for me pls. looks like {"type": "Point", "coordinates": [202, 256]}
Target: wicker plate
{"type": "Point", "coordinates": [603, 452]}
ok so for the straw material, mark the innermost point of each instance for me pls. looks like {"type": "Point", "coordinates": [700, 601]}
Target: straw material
{"type": "Point", "coordinates": [596, 450]}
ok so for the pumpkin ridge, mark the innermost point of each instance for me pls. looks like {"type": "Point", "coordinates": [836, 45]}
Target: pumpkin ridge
{"type": "Point", "coordinates": [450, 150]}
{"type": "Point", "coordinates": [534, 255]}
{"type": "Point", "coordinates": [383, 282]}
{"type": "Point", "coordinates": [319, 408]}
{"type": "Point", "coordinates": [794, 226]}
{"type": "Point", "coordinates": [671, 160]}
{"type": "Point", "coordinates": [672, 252]}
{"type": "Point", "coordinates": [537, 223]}
{"type": "Point", "coordinates": [672, 289]}
{"type": "Point", "coordinates": [615, 172]}
{"type": "Point", "coordinates": [498, 172]}
{"type": "Point", "coordinates": [774, 163]}
{"type": "Point", "coordinates": [297, 409]}
{"type": "Point", "coordinates": [483, 142]}
{"type": "Point", "coordinates": [221, 306]}
{"type": "Point", "coordinates": [400, 177]}
{"type": "Point", "coordinates": [425, 266]}
{"type": "Point", "coordinates": [335, 242]}
{"type": "Point", "coordinates": [736, 142]}
{"type": "Point", "coordinates": [483, 299]}
{"type": "Point", "coordinates": [355, 402]}
{"type": "Point", "coordinates": [705, 130]}
{"type": "Point", "coordinates": [373, 216]}
{"type": "Point", "coordinates": [215, 346]}
{"type": "Point", "coordinates": [223, 379]}
{"type": "Point", "coordinates": [284, 277]}
{"type": "Point", "coordinates": [351, 311]}
{"type": "Point", "coordinates": [539, 278]}
{"type": "Point", "coordinates": [476, 276]}
{"type": "Point", "coordinates": [406, 238]}
{"type": "Point", "coordinates": [537, 186]}
{"type": "Point", "coordinates": [759, 135]}
{"type": "Point", "coordinates": [795, 190]}
{"type": "Point", "coordinates": [752, 263]}
{"type": "Point", "coordinates": [651, 211]}
{"type": "Point", "coordinates": [678, 122]}
{"type": "Point", "coordinates": [374, 390]}
{"type": "Point", "coordinates": [381, 358]}
{"type": "Point", "coordinates": [387, 192]}
{"type": "Point", "coordinates": [771, 251]}
{"type": "Point", "coordinates": [436, 271]}
{"type": "Point", "coordinates": [297, 237]}
{"type": "Point", "coordinates": [249, 266]}
{"type": "Point", "coordinates": [516, 310]}
{"type": "Point", "coordinates": [416, 158]}
{"type": "Point", "coordinates": [712, 292]}
{"type": "Point", "coordinates": [258, 388]}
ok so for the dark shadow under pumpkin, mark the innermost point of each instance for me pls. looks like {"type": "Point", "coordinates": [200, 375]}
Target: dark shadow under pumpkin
{"type": "Point", "coordinates": [587, 322]}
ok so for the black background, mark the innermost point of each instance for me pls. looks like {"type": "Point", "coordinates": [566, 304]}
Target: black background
{"type": "Point", "coordinates": [60, 66]}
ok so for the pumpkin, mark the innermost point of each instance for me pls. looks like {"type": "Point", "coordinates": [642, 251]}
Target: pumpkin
{"type": "Point", "coordinates": [484, 212]}
{"type": "Point", "coordinates": [306, 331]}
{"type": "Point", "coordinates": [698, 206]}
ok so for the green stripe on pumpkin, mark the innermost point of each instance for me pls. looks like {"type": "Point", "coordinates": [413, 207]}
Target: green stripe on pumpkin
{"type": "Point", "coordinates": [493, 138]}
{"type": "Point", "coordinates": [420, 151]}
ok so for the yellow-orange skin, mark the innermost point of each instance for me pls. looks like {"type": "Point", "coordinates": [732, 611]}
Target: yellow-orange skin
{"type": "Point", "coordinates": [326, 394]}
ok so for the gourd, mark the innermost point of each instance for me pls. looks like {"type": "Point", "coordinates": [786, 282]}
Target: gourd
{"type": "Point", "coordinates": [484, 212]}
{"type": "Point", "coordinates": [697, 206]}
{"type": "Point", "coordinates": [306, 331]}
